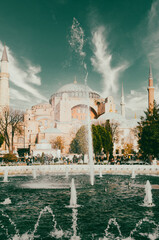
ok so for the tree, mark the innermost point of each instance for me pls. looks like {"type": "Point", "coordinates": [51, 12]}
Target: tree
{"type": "Point", "coordinates": [10, 124]}
{"type": "Point", "coordinates": [97, 140]}
{"type": "Point", "coordinates": [1, 139]}
{"type": "Point", "coordinates": [16, 119]}
{"type": "Point", "coordinates": [111, 136]}
{"type": "Point", "coordinates": [113, 129]}
{"type": "Point", "coordinates": [57, 143]}
{"type": "Point", "coordinates": [105, 139]}
{"type": "Point", "coordinates": [100, 138]}
{"type": "Point", "coordinates": [149, 133]}
{"type": "Point", "coordinates": [5, 126]}
{"type": "Point", "coordinates": [79, 144]}
{"type": "Point", "coordinates": [107, 126]}
{"type": "Point", "coordinates": [74, 148]}
{"type": "Point", "coordinates": [128, 148]}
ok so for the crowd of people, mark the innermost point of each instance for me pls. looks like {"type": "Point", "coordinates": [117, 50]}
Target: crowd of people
{"type": "Point", "coordinates": [73, 159]}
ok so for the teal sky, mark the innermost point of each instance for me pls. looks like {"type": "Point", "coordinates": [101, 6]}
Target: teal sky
{"type": "Point", "coordinates": [120, 37]}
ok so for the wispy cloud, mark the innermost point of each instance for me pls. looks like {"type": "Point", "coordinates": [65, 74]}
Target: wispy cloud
{"type": "Point", "coordinates": [151, 41]}
{"type": "Point", "coordinates": [101, 62]}
{"type": "Point", "coordinates": [23, 80]}
{"type": "Point", "coordinates": [32, 72]}
{"type": "Point", "coordinates": [136, 102]}
{"type": "Point", "coordinates": [15, 94]}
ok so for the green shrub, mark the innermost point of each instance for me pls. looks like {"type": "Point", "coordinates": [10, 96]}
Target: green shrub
{"type": "Point", "coordinates": [10, 157]}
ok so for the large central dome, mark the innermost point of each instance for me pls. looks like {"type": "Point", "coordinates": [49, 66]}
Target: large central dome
{"type": "Point", "coordinates": [76, 90]}
{"type": "Point", "coordinates": [74, 87]}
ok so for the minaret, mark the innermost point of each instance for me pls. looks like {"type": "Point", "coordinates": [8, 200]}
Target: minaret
{"type": "Point", "coordinates": [75, 80]}
{"type": "Point", "coordinates": [150, 90]}
{"type": "Point", "coordinates": [122, 102]}
{"type": "Point", "coordinates": [4, 81]}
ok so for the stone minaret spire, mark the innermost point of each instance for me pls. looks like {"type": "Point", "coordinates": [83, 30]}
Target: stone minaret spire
{"type": "Point", "coordinates": [4, 81]}
{"type": "Point", "coordinates": [75, 80]}
{"type": "Point", "coordinates": [150, 90]}
{"type": "Point", "coordinates": [122, 102]}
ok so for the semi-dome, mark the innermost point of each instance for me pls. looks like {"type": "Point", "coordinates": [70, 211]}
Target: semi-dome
{"type": "Point", "coordinates": [112, 116]}
{"type": "Point", "coordinates": [76, 90]}
{"type": "Point", "coordinates": [131, 123]}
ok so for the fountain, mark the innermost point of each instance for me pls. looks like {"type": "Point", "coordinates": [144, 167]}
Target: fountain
{"type": "Point", "coordinates": [66, 172]}
{"type": "Point", "coordinates": [34, 173]}
{"type": "Point", "coordinates": [133, 174]}
{"type": "Point", "coordinates": [148, 196]}
{"type": "Point", "coordinates": [74, 224]}
{"type": "Point", "coordinates": [50, 218]}
{"type": "Point", "coordinates": [6, 201]}
{"type": "Point", "coordinates": [5, 179]}
{"type": "Point", "coordinates": [76, 42]}
{"type": "Point", "coordinates": [90, 142]}
{"type": "Point", "coordinates": [55, 233]}
{"type": "Point", "coordinates": [73, 198]}
{"type": "Point", "coordinates": [73, 205]}
{"type": "Point", "coordinates": [100, 172]}
{"type": "Point", "coordinates": [90, 147]}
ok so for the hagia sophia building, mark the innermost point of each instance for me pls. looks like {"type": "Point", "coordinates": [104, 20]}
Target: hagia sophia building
{"type": "Point", "coordinates": [66, 112]}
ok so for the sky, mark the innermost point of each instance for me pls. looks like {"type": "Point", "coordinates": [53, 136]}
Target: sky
{"type": "Point", "coordinates": [105, 43]}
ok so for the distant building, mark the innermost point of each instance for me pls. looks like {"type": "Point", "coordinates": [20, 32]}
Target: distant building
{"type": "Point", "coordinates": [66, 112]}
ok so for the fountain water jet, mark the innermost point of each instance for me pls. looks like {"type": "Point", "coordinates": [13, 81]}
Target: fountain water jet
{"type": "Point", "coordinates": [108, 234]}
{"type": "Point", "coordinates": [90, 147]}
{"type": "Point", "coordinates": [73, 198]}
{"type": "Point", "coordinates": [6, 201]}
{"type": "Point", "coordinates": [133, 174]}
{"type": "Point", "coordinates": [148, 196]}
{"type": "Point", "coordinates": [34, 173]}
{"type": "Point", "coordinates": [66, 172]}
{"type": "Point", "coordinates": [55, 233]}
{"type": "Point", "coordinates": [5, 179]}
{"type": "Point", "coordinates": [100, 172]}
{"type": "Point", "coordinates": [90, 142]}
{"type": "Point", "coordinates": [77, 42]}
{"type": "Point", "coordinates": [74, 224]}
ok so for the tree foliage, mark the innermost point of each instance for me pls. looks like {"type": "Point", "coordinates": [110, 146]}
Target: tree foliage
{"type": "Point", "coordinates": [57, 143]}
{"type": "Point", "coordinates": [128, 148]}
{"type": "Point", "coordinates": [97, 140]}
{"type": "Point", "coordinates": [149, 132]}
{"type": "Point", "coordinates": [113, 129]}
{"type": "Point", "coordinates": [80, 144]}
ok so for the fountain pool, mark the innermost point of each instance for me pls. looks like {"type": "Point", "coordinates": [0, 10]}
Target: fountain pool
{"type": "Point", "coordinates": [38, 208]}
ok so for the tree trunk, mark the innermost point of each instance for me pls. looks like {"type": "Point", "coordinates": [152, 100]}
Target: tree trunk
{"type": "Point", "coordinates": [12, 141]}
{"type": "Point", "coordinates": [150, 158]}
{"type": "Point", "coordinates": [107, 154]}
